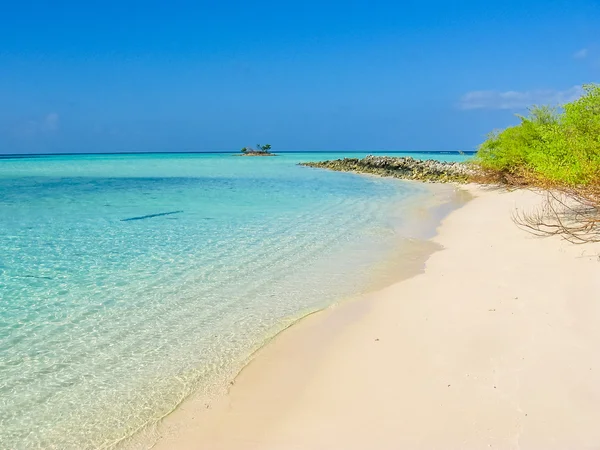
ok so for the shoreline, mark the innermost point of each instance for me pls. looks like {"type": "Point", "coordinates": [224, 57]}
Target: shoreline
{"type": "Point", "coordinates": [416, 248]}
{"type": "Point", "coordinates": [309, 387]}
{"type": "Point", "coordinates": [420, 218]}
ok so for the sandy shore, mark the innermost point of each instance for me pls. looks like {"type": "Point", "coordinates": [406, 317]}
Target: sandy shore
{"type": "Point", "coordinates": [496, 345]}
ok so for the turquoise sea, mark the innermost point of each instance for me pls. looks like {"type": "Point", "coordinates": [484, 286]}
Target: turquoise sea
{"type": "Point", "coordinates": [128, 282]}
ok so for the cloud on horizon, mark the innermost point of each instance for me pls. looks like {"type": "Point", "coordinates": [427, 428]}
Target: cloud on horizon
{"type": "Point", "coordinates": [28, 129]}
{"type": "Point", "coordinates": [517, 100]}
{"type": "Point", "coordinates": [50, 122]}
{"type": "Point", "coordinates": [581, 54]}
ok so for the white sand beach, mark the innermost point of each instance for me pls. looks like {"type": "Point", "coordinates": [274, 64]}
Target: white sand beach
{"type": "Point", "coordinates": [495, 345]}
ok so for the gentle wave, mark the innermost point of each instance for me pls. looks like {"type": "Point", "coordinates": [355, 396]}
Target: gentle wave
{"type": "Point", "coordinates": [108, 320]}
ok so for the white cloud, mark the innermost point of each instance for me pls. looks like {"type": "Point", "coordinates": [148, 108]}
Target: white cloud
{"type": "Point", "coordinates": [50, 122]}
{"type": "Point", "coordinates": [581, 54]}
{"type": "Point", "coordinates": [518, 100]}
{"type": "Point", "coordinates": [32, 128]}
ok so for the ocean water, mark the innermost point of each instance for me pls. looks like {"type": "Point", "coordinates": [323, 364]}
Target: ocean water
{"type": "Point", "coordinates": [128, 282]}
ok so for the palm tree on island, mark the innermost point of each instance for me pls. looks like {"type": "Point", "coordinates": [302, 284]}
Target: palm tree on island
{"type": "Point", "coordinates": [261, 150]}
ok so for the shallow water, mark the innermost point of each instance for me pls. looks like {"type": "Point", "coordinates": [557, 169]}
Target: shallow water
{"type": "Point", "coordinates": [129, 281]}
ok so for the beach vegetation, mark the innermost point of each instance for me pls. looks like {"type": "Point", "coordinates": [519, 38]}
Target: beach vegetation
{"type": "Point", "coordinates": [549, 145]}
{"type": "Point", "coordinates": [558, 150]}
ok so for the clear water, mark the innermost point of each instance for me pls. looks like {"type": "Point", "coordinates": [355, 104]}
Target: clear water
{"type": "Point", "coordinates": [106, 324]}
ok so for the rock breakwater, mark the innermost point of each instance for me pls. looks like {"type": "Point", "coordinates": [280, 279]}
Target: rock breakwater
{"type": "Point", "coordinates": [404, 167]}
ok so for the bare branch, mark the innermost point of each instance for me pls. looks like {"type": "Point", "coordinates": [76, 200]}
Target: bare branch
{"type": "Point", "coordinates": [573, 213]}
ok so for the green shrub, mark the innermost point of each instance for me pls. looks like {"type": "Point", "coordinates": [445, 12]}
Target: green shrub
{"type": "Point", "coordinates": [561, 147]}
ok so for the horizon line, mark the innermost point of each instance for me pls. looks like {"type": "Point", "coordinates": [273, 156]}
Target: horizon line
{"type": "Point", "coordinates": [25, 155]}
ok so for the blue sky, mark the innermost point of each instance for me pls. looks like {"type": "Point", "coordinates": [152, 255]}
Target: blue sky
{"type": "Point", "coordinates": [313, 75]}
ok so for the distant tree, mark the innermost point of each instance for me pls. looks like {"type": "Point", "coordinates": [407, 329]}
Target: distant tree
{"type": "Point", "coordinates": [259, 149]}
{"type": "Point", "coordinates": [263, 148]}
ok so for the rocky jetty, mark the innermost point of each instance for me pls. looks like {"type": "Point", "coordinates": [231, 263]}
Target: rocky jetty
{"type": "Point", "coordinates": [401, 167]}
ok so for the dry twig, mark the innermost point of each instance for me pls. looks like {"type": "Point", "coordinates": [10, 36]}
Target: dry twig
{"type": "Point", "coordinates": [573, 213]}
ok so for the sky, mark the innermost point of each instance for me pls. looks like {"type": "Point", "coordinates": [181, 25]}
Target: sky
{"type": "Point", "coordinates": [125, 76]}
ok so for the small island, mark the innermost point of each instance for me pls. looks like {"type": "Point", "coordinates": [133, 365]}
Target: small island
{"type": "Point", "coordinates": [261, 150]}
